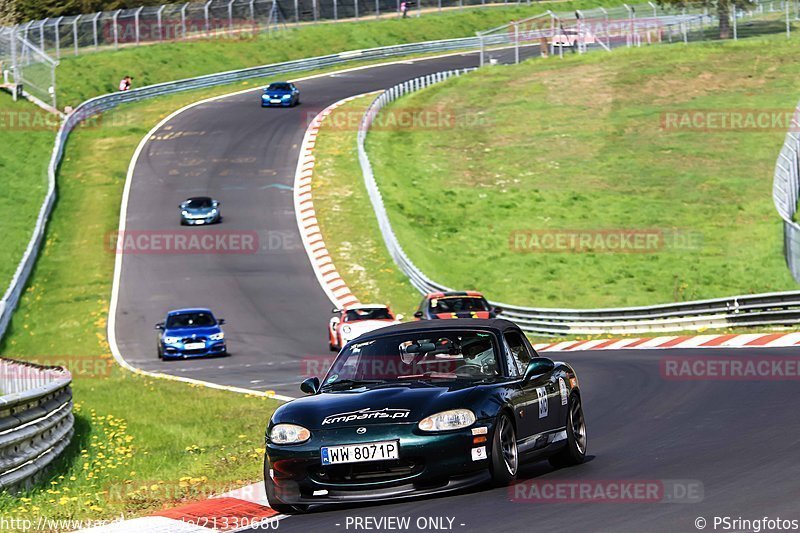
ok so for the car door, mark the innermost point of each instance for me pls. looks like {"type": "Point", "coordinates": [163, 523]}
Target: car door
{"type": "Point", "coordinates": [539, 410]}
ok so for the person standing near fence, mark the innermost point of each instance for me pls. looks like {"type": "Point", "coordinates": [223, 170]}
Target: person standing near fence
{"type": "Point", "coordinates": [125, 84]}
{"type": "Point", "coordinates": [404, 8]}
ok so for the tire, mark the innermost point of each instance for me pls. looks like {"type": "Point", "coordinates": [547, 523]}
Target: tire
{"type": "Point", "coordinates": [574, 453]}
{"type": "Point", "coordinates": [160, 355]}
{"type": "Point", "coordinates": [505, 456]}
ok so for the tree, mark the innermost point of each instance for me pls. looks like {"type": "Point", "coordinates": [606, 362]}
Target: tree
{"type": "Point", "coordinates": [8, 12]}
{"type": "Point", "coordinates": [722, 8]}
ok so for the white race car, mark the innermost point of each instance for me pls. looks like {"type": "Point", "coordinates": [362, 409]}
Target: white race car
{"type": "Point", "coordinates": [356, 320]}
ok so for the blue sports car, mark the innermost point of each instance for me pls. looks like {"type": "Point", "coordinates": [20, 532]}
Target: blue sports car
{"type": "Point", "coordinates": [200, 210]}
{"type": "Point", "coordinates": [190, 333]}
{"type": "Point", "coordinates": [282, 94]}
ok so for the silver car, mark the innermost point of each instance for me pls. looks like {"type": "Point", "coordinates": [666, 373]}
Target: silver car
{"type": "Point", "coordinates": [200, 210]}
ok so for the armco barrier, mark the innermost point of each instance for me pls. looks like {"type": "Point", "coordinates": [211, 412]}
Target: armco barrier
{"type": "Point", "coordinates": [36, 421]}
{"type": "Point", "coordinates": [777, 309]}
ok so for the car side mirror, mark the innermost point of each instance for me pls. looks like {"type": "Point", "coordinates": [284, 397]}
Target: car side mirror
{"type": "Point", "coordinates": [160, 326]}
{"type": "Point", "coordinates": [418, 314]}
{"type": "Point", "coordinates": [336, 311]}
{"type": "Point", "coordinates": [400, 316]}
{"type": "Point", "coordinates": [221, 321]}
{"type": "Point", "coordinates": [310, 385]}
{"type": "Point", "coordinates": [498, 310]}
{"type": "Point", "coordinates": [181, 206]}
{"type": "Point", "coordinates": [335, 320]}
{"type": "Point", "coordinates": [539, 366]}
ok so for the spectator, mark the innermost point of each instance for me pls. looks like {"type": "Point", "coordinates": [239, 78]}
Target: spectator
{"type": "Point", "coordinates": [404, 8]}
{"type": "Point", "coordinates": [125, 84]}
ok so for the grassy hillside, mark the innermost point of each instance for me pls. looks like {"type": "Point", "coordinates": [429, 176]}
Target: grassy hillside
{"type": "Point", "coordinates": [97, 73]}
{"type": "Point", "coordinates": [592, 145]}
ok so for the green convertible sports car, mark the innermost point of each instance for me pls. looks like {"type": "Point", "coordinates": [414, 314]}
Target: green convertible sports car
{"type": "Point", "coordinates": [421, 408]}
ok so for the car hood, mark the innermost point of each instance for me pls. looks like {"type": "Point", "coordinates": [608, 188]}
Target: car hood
{"type": "Point", "coordinates": [382, 405]}
{"type": "Point", "coordinates": [188, 332]}
{"type": "Point", "coordinates": [276, 94]}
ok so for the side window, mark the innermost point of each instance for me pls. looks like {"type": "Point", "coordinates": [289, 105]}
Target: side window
{"type": "Point", "coordinates": [519, 352]}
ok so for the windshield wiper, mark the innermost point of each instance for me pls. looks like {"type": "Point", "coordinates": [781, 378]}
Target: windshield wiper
{"type": "Point", "coordinates": [352, 382]}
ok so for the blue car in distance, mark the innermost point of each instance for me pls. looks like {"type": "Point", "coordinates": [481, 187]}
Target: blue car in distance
{"type": "Point", "coordinates": [190, 333]}
{"type": "Point", "coordinates": [280, 94]}
{"type": "Point", "coordinates": [200, 210]}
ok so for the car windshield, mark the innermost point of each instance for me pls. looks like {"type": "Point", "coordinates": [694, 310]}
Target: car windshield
{"type": "Point", "coordinates": [279, 87]}
{"type": "Point", "coordinates": [199, 203]}
{"type": "Point", "coordinates": [199, 319]}
{"type": "Point", "coordinates": [458, 304]}
{"type": "Point", "coordinates": [379, 313]}
{"type": "Point", "coordinates": [418, 356]}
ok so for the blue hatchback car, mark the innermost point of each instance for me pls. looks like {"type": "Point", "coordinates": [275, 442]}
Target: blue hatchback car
{"type": "Point", "coordinates": [190, 333]}
{"type": "Point", "coordinates": [280, 94]}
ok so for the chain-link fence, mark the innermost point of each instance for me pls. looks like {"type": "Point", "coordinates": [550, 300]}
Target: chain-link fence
{"type": "Point", "coordinates": [26, 70]}
{"type": "Point", "coordinates": [600, 28]}
{"type": "Point", "coordinates": [212, 18]}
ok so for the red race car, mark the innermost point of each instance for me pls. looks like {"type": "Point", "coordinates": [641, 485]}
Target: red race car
{"type": "Point", "coordinates": [455, 304]}
{"type": "Point", "coordinates": [355, 320]}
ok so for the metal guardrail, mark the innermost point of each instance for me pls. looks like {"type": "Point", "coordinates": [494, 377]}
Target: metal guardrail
{"type": "Point", "coordinates": [774, 309]}
{"type": "Point", "coordinates": [785, 187]}
{"type": "Point", "coordinates": [36, 420]}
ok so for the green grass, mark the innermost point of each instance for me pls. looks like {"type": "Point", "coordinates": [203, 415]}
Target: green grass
{"type": "Point", "coordinates": [578, 144]}
{"type": "Point", "coordinates": [93, 74]}
{"type": "Point", "coordinates": [140, 443]}
{"type": "Point", "coordinates": [347, 220]}
{"type": "Point", "coordinates": [26, 141]}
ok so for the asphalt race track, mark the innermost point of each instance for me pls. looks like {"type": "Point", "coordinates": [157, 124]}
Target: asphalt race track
{"type": "Point", "coordinates": [246, 157]}
{"type": "Point", "coordinates": [736, 442]}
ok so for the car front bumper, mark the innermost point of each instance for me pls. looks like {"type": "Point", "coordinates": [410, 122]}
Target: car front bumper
{"type": "Point", "coordinates": [178, 351]}
{"type": "Point", "coordinates": [200, 221]}
{"type": "Point", "coordinates": [428, 463]}
{"type": "Point", "coordinates": [283, 103]}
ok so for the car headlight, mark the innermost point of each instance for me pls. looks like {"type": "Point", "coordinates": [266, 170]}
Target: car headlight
{"type": "Point", "coordinates": [171, 340]}
{"type": "Point", "coordinates": [213, 211]}
{"type": "Point", "coordinates": [447, 420]}
{"type": "Point", "coordinates": [217, 336]}
{"type": "Point", "coordinates": [185, 213]}
{"type": "Point", "coordinates": [285, 96]}
{"type": "Point", "coordinates": [289, 434]}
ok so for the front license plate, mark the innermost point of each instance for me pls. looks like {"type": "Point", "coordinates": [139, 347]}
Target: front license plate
{"type": "Point", "coordinates": [195, 345]}
{"type": "Point", "coordinates": [360, 453]}
{"type": "Point", "coordinates": [274, 101]}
